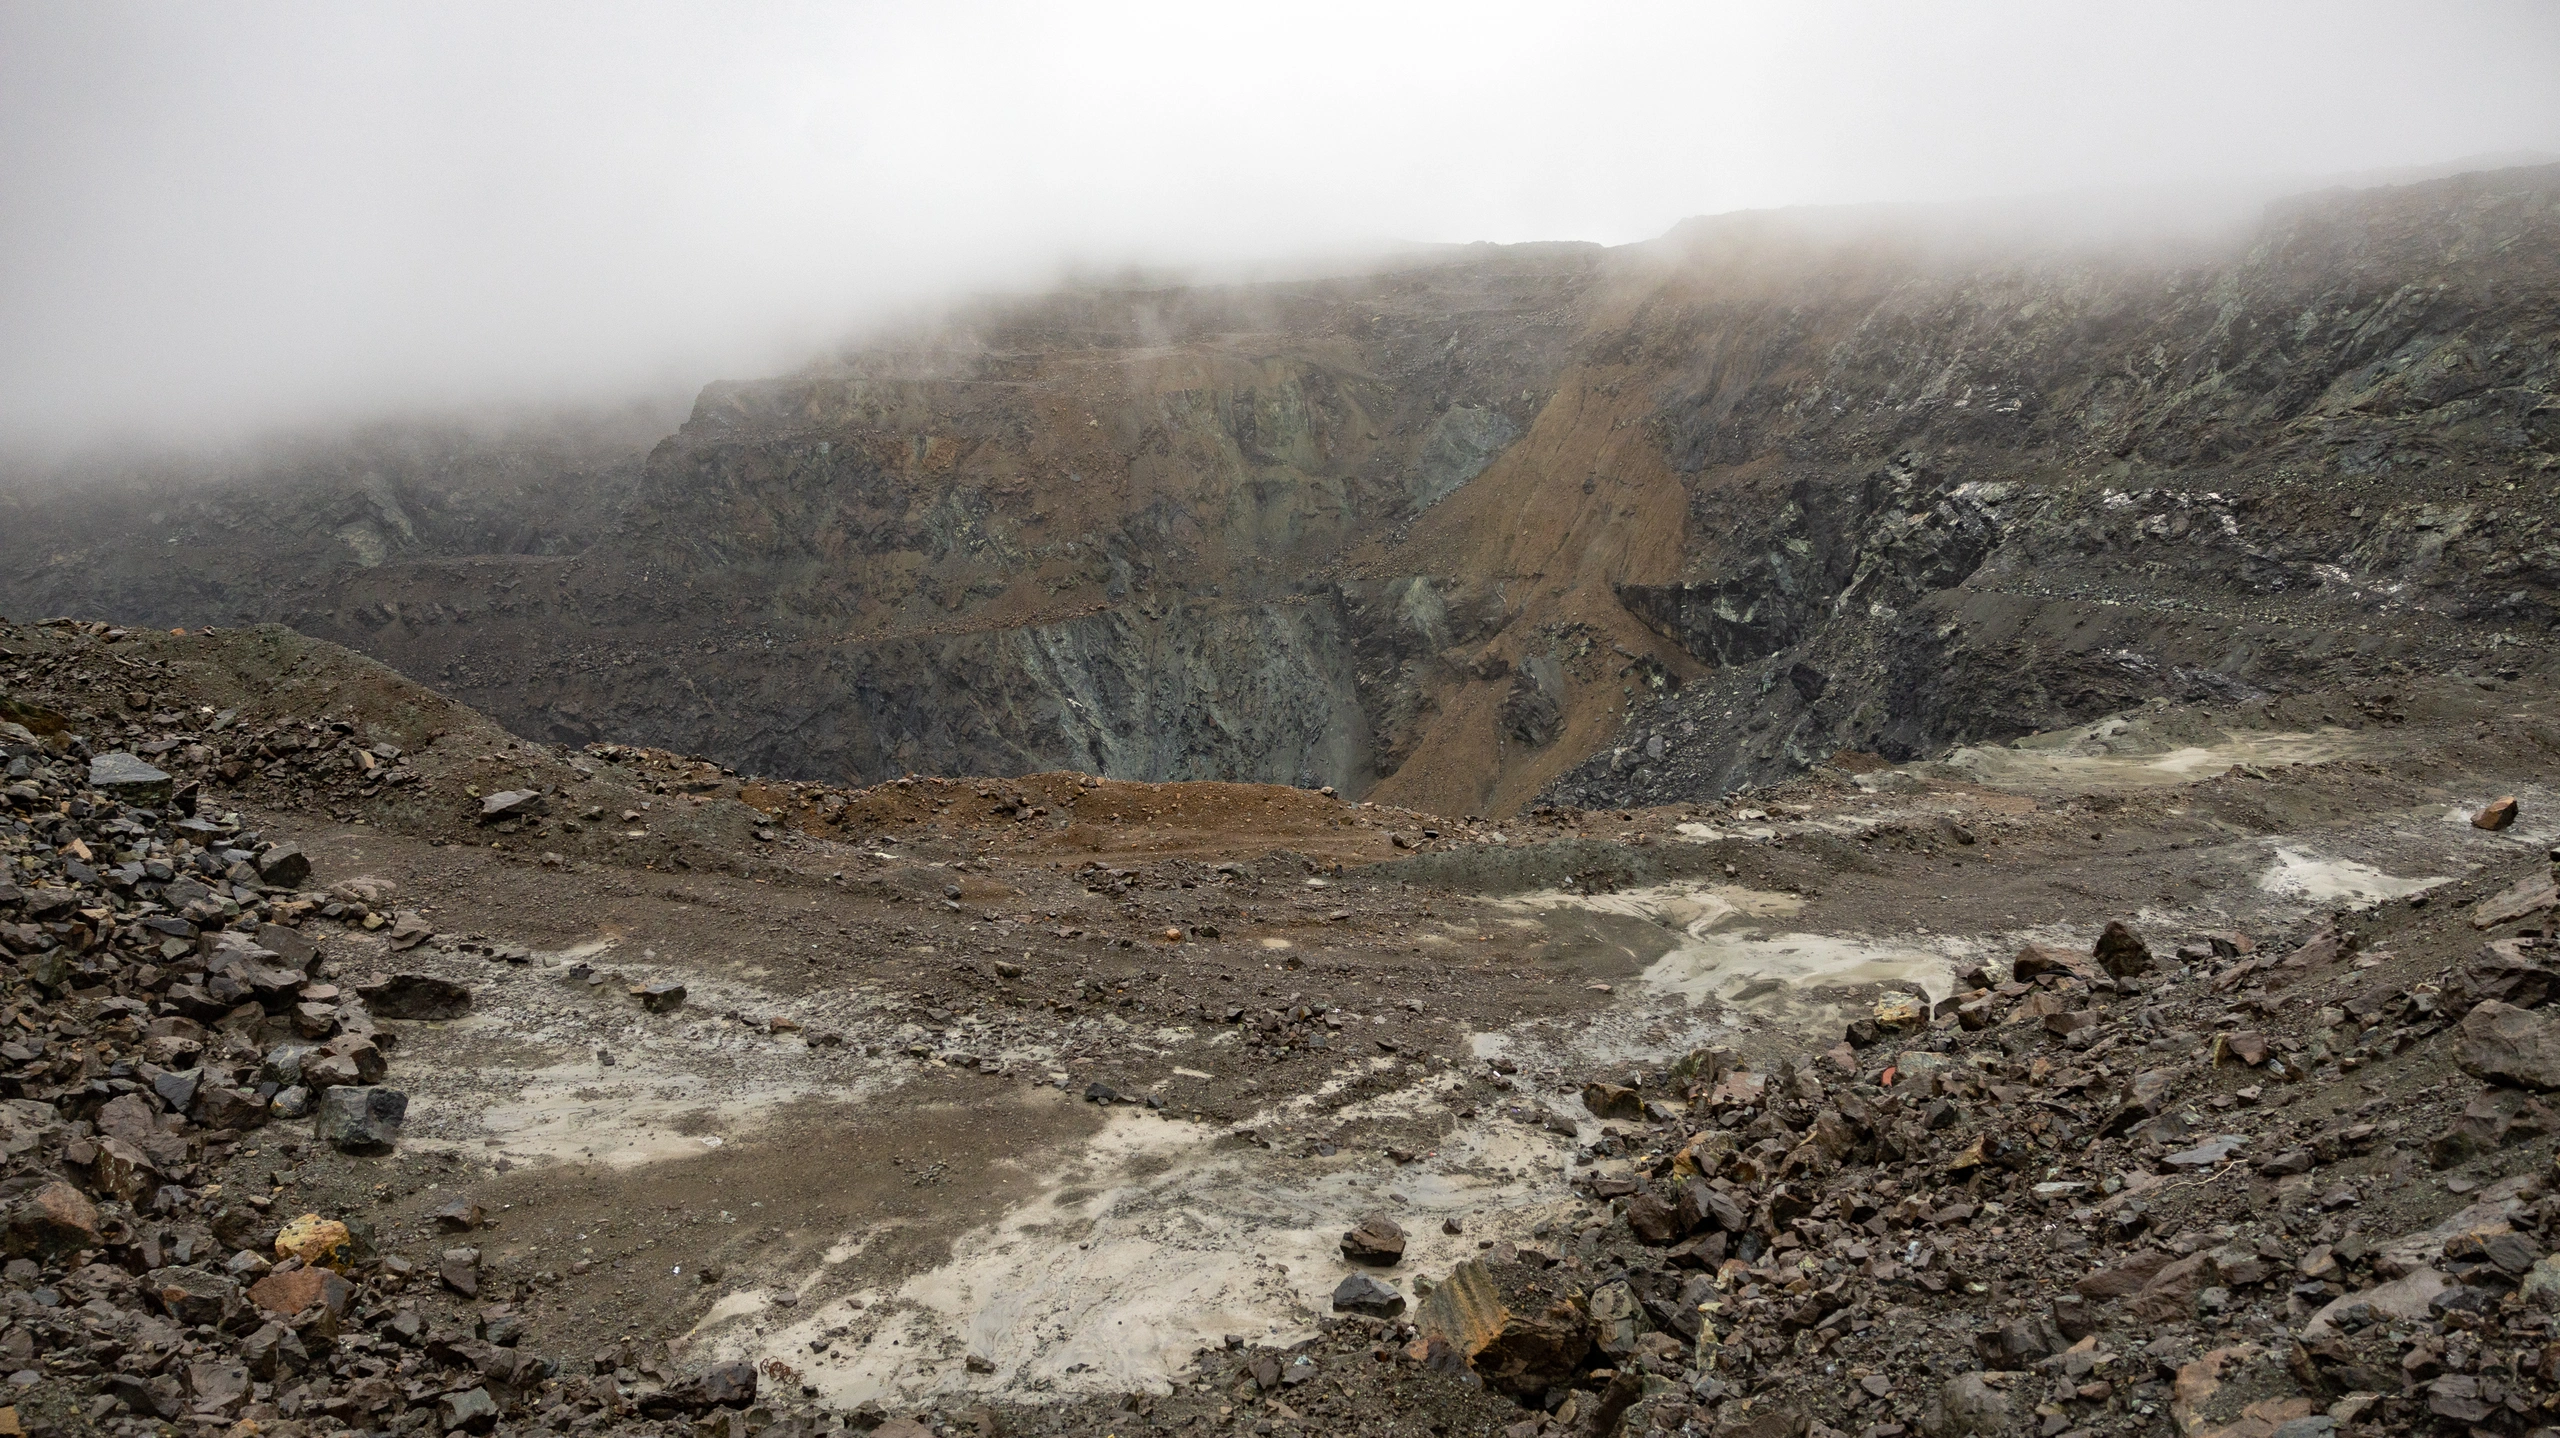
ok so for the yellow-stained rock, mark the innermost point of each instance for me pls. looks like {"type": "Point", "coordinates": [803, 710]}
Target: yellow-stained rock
{"type": "Point", "coordinates": [1902, 1013]}
{"type": "Point", "coordinates": [1466, 1309]}
{"type": "Point", "coordinates": [319, 1242]}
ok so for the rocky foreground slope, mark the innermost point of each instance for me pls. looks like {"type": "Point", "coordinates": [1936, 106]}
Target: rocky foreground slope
{"type": "Point", "coordinates": [1627, 526]}
{"type": "Point", "coordinates": [371, 1070]}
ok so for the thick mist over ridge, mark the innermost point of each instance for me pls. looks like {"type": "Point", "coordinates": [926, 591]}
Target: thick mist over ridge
{"type": "Point", "coordinates": [220, 223]}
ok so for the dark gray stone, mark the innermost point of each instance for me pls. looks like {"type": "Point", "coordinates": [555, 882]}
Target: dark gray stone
{"type": "Point", "coordinates": [471, 1411]}
{"type": "Point", "coordinates": [177, 1090]}
{"type": "Point", "coordinates": [513, 804]}
{"type": "Point", "coordinates": [2500, 1044]}
{"type": "Point", "coordinates": [414, 996]}
{"type": "Point", "coordinates": [1362, 1294]}
{"type": "Point", "coordinates": [126, 779]}
{"type": "Point", "coordinates": [731, 1384]}
{"type": "Point", "coordinates": [2122, 952]}
{"type": "Point", "coordinates": [356, 1119]}
{"type": "Point", "coordinates": [284, 866]}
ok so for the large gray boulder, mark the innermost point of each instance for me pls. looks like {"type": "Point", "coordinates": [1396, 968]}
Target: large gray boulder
{"type": "Point", "coordinates": [126, 779]}
{"type": "Point", "coordinates": [2503, 1044]}
{"type": "Point", "coordinates": [1966, 1406]}
{"type": "Point", "coordinates": [357, 1119]}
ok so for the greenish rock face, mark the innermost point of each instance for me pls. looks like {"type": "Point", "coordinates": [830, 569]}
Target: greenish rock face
{"type": "Point", "coordinates": [1462, 442]}
{"type": "Point", "coordinates": [128, 779]}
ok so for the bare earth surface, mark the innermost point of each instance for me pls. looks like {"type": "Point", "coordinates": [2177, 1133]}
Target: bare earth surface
{"type": "Point", "coordinates": [1045, 1104]}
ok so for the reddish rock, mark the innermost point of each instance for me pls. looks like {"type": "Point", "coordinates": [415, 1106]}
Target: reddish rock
{"type": "Point", "coordinates": [1742, 1088]}
{"type": "Point", "coordinates": [2247, 1045]}
{"type": "Point", "coordinates": [2525, 898]}
{"type": "Point", "coordinates": [1652, 1220]}
{"type": "Point", "coordinates": [54, 1218]}
{"type": "Point", "coordinates": [287, 1294]}
{"type": "Point", "coordinates": [2126, 1280]}
{"type": "Point", "coordinates": [1376, 1239]}
{"type": "Point", "coordinates": [2033, 963]}
{"type": "Point", "coordinates": [2171, 1293]}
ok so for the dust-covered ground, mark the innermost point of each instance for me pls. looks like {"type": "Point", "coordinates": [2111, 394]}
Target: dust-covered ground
{"type": "Point", "coordinates": [1046, 1103]}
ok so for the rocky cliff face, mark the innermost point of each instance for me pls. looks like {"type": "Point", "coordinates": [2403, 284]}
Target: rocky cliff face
{"type": "Point", "coordinates": [1619, 526]}
{"type": "Point", "coordinates": [271, 527]}
{"type": "Point", "coordinates": [2332, 453]}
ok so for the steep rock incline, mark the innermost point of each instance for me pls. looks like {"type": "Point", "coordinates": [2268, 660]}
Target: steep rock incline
{"type": "Point", "coordinates": [266, 528]}
{"type": "Point", "coordinates": [1618, 526]}
{"type": "Point", "coordinates": [1090, 532]}
{"type": "Point", "coordinates": [2333, 458]}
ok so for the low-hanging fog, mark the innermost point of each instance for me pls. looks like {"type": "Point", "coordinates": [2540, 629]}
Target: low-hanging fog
{"type": "Point", "coordinates": [217, 219]}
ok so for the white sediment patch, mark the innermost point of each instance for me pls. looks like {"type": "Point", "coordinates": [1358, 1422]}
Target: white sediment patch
{"type": "Point", "coordinates": [2117, 754]}
{"type": "Point", "coordinates": [2300, 875]}
{"type": "Point", "coordinates": [1151, 1242]}
{"type": "Point", "coordinates": [550, 1069]}
{"type": "Point", "coordinates": [1725, 953]}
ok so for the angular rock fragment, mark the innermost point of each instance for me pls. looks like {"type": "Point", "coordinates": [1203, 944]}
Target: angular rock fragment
{"type": "Point", "coordinates": [469, 1411]}
{"type": "Point", "coordinates": [2405, 1298]}
{"type": "Point", "coordinates": [1360, 1293]}
{"type": "Point", "coordinates": [2018, 1343]}
{"type": "Point", "coordinates": [513, 804]}
{"type": "Point", "coordinates": [459, 1268]}
{"type": "Point", "coordinates": [359, 1119]}
{"type": "Point", "coordinates": [2121, 952]}
{"type": "Point", "coordinates": [660, 996]}
{"type": "Point", "coordinates": [2033, 963]}
{"type": "Point", "coordinates": [459, 1215]}
{"type": "Point", "coordinates": [1533, 1352]}
{"type": "Point", "coordinates": [193, 1295]}
{"type": "Point", "coordinates": [731, 1384]}
{"type": "Point", "coordinates": [284, 866]}
{"type": "Point", "coordinates": [413, 996]}
{"type": "Point", "coordinates": [2246, 1046]}
{"type": "Point", "coordinates": [1375, 1239]}
{"type": "Point", "coordinates": [2501, 1044]}
{"type": "Point", "coordinates": [1901, 1014]}
{"type": "Point", "coordinates": [2523, 899]}
{"type": "Point", "coordinates": [1966, 1406]}
{"type": "Point", "coordinates": [2210, 1153]}
{"type": "Point", "coordinates": [128, 780]}
{"type": "Point", "coordinates": [218, 1386]}
{"type": "Point", "coordinates": [49, 1218]}
{"type": "Point", "coordinates": [317, 1242]}
{"type": "Point", "coordinates": [1613, 1101]}
{"type": "Point", "coordinates": [288, 1294]}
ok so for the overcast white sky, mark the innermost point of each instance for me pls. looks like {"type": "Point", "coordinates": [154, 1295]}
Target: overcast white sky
{"type": "Point", "coordinates": [215, 216]}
